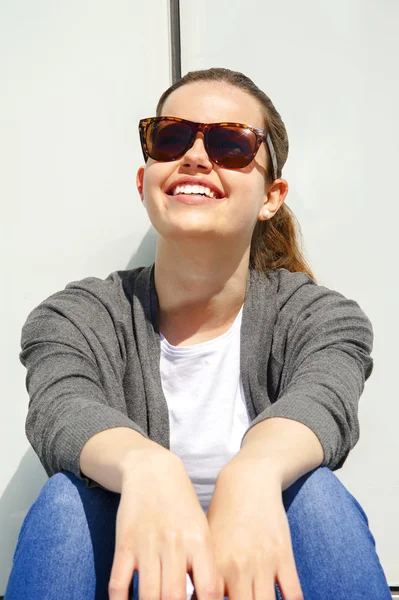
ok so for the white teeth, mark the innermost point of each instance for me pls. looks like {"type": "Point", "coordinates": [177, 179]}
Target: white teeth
{"type": "Point", "coordinates": [193, 189]}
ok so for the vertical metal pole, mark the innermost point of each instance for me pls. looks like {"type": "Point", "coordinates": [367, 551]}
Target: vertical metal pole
{"type": "Point", "coordinates": [175, 39]}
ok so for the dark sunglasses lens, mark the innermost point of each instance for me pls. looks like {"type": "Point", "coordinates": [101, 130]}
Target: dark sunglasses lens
{"type": "Point", "coordinates": [231, 147]}
{"type": "Point", "coordinates": [167, 140]}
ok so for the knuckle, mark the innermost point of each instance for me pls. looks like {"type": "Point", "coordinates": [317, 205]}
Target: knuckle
{"type": "Point", "coordinates": [197, 537]}
{"type": "Point", "coordinates": [171, 536]}
{"type": "Point", "coordinates": [211, 591]}
{"type": "Point", "coordinates": [124, 547]}
{"type": "Point", "coordinates": [115, 585]}
{"type": "Point", "coordinates": [240, 563]}
{"type": "Point", "coordinates": [279, 542]}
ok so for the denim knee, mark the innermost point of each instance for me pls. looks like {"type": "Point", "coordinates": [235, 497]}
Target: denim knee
{"type": "Point", "coordinates": [321, 496]}
{"type": "Point", "coordinates": [57, 506]}
{"type": "Point", "coordinates": [333, 546]}
{"type": "Point", "coordinates": [319, 502]}
{"type": "Point", "coordinates": [70, 528]}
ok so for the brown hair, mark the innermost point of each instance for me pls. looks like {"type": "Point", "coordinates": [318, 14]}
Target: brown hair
{"type": "Point", "coordinates": [274, 241]}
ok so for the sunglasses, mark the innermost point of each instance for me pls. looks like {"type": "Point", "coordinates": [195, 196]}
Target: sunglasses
{"type": "Point", "coordinates": [230, 145]}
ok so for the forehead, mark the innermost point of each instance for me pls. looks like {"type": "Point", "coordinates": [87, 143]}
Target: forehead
{"type": "Point", "coordinates": [213, 102]}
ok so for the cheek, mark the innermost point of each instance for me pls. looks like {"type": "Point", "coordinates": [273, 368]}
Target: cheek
{"type": "Point", "coordinates": [146, 185]}
{"type": "Point", "coordinates": [252, 187]}
{"type": "Point", "coordinates": [149, 189]}
{"type": "Point", "coordinates": [152, 179]}
{"type": "Point", "coordinates": [156, 176]}
{"type": "Point", "coordinates": [252, 196]}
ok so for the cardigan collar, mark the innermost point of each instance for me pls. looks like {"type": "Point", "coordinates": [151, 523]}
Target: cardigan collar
{"type": "Point", "coordinates": [259, 315]}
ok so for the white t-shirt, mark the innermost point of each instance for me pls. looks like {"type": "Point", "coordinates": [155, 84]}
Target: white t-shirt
{"type": "Point", "coordinates": [207, 409]}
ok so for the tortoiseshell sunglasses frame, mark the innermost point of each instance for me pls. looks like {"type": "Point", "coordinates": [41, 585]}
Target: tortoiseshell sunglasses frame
{"type": "Point", "coordinates": [261, 136]}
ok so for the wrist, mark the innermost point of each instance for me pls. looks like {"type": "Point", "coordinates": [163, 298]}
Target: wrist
{"type": "Point", "coordinates": [249, 462]}
{"type": "Point", "coordinates": [143, 452]}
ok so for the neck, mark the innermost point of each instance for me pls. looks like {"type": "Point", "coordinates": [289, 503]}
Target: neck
{"type": "Point", "coordinates": [198, 291]}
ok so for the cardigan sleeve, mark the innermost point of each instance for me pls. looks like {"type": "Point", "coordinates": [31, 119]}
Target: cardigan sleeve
{"type": "Point", "coordinates": [67, 366]}
{"type": "Point", "coordinates": [322, 344]}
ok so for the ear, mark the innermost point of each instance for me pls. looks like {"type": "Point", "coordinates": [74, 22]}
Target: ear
{"type": "Point", "coordinates": [140, 181]}
{"type": "Point", "coordinates": [274, 197]}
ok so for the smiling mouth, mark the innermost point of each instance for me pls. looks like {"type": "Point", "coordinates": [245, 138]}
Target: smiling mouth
{"type": "Point", "coordinates": [194, 190]}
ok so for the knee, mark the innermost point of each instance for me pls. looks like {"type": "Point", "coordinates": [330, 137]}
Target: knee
{"type": "Point", "coordinates": [319, 497]}
{"type": "Point", "coordinates": [56, 515]}
{"type": "Point", "coordinates": [60, 484]}
{"type": "Point", "coordinates": [60, 492]}
{"type": "Point", "coordinates": [58, 504]}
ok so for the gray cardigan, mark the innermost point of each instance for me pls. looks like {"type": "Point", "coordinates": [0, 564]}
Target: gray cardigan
{"type": "Point", "coordinates": [92, 353]}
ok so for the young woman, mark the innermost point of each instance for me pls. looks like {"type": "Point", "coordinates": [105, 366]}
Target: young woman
{"type": "Point", "coordinates": [190, 414]}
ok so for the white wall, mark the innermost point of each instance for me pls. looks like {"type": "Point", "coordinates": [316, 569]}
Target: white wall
{"type": "Point", "coordinates": [331, 69]}
{"type": "Point", "coordinates": [75, 79]}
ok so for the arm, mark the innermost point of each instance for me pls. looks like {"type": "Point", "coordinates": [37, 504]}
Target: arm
{"type": "Point", "coordinates": [274, 453]}
{"type": "Point", "coordinates": [319, 361]}
{"type": "Point", "coordinates": [322, 342]}
{"type": "Point", "coordinates": [77, 409]}
{"type": "Point", "coordinates": [108, 455]}
{"type": "Point", "coordinates": [288, 449]}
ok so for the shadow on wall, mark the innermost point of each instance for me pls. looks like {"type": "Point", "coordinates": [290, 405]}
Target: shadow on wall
{"type": "Point", "coordinates": [26, 484]}
{"type": "Point", "coordinates": [145, 254]}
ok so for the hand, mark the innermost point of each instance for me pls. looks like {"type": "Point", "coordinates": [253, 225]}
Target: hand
{"type": "Point", "coordinates": [250, 532]}
{"type": "Point", "coordinates": [162, 532]}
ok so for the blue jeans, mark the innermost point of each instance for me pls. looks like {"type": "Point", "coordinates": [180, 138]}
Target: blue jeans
{"type": "Point", "coordinates": [66, 544]}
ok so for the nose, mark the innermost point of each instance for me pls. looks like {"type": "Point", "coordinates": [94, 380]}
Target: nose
{"type": "Point", "coordinates": [197, 155]}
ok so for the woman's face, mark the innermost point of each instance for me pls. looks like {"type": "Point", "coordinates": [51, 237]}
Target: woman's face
{"type": "Point", "coordinates": [244, 190]}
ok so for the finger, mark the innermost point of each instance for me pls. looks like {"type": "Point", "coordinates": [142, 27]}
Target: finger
{"type": "Point", "coordinates": [288, 580]}
{"type": "Point", "coordinates": [263, 589]}
{"type": "Point", "coordinates": [122, 572]}
{"type": "Point", "coordinates": [207, 580]}
{"type": "Point", "coordinates": [150, 574]}
{"type": "Point", "coordinates": [240, 586]}
{"type": "Point", "coordinates": [173, 570]}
